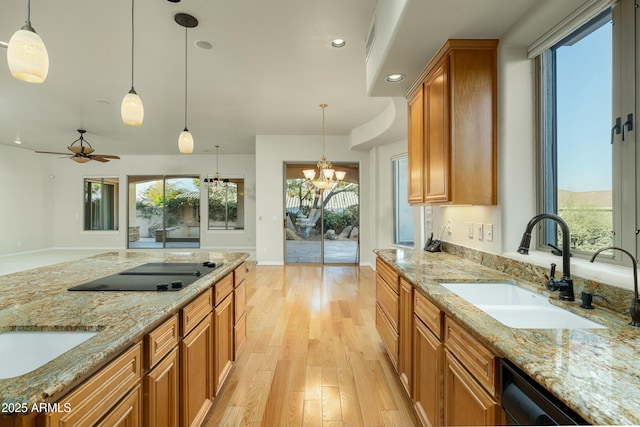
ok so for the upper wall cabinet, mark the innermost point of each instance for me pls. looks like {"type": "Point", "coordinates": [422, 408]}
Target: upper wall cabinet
{"type": "Point", "coordinates": [452, 126]}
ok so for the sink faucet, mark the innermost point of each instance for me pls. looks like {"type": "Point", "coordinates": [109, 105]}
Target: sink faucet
{"type": "Point", "coordinates": [565, 284]}
{"type": "Point", "coordinates": [635, 304]}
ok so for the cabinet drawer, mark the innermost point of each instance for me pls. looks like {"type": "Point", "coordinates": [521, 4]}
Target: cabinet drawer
{"type": "Point", "coordinates": [239, 274]}
{"type": "Point", "coordinates": [388, 300]}
{"type": "Point", "coordinates": [222, 288]}
{"type": "Point", "coordinates": [240, 301]}
{"type": "Point", "coordinates": [98, 396]}
{"type": "Point", "coordinates": [161, 341]}
{"type": "Point", "coordinates": [197, 310]}
{"type": "Point", "coordinates": [388, 274]}
{"type": "Point", "coordinates": [429, 313]}
{"type": "Point", "coordinates": [474, 356]}
{"type": "Point", "coordinates": [388, 334]}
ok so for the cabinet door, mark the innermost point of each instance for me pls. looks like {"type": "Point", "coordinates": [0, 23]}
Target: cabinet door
{"type": "Point", "coordinates": [161, 391]}
{"type": "Point", "coordinates": [223, 338]}
{"type": "Point", "coordinates": [240, 319]}
{"type": "Point", "coordinates": [416, 147]}
{"type": "Point", "coordinates": [405, 332]}
{"type": "Point", "coordinates": [466, 402]}
{"type": "Point", "coordinates": [196, 374]}
{"type": "Point", "coordinates": [427, 377]}
{"type": "Point", "coordinates": [127, 413]}
{"type": "Point", "coordinates": [437, 135]}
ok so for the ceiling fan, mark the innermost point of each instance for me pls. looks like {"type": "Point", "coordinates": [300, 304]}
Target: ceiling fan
{"type": "Point", "coordinates": [83, 152]}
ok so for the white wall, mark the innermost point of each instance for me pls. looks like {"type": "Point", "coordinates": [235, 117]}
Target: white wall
{"type": "Point", "coordinates": [27, 199]}
{"type": "Point", "coordinates": [67, 208]}
{"type": "Point", "coordinates": [272, 151]}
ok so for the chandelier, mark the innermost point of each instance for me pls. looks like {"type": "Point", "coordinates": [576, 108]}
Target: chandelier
{"type": "Point", "coordinates": [328, 176]}
{"type": "Point", "coordinates": [216, 181]}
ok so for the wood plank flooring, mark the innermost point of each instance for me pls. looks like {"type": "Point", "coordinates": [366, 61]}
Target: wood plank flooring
{"type": "Point", "coordinates": [313, 356]}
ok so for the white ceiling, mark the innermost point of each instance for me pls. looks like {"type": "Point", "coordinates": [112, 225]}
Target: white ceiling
{"type": "Point", "coordinates": [270, 67]}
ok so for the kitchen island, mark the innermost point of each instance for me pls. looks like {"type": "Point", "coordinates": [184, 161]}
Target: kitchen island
{"type": "Point", "coordinates": [593, 371]}
{"type": "Point", "coordinates": [38, 300]}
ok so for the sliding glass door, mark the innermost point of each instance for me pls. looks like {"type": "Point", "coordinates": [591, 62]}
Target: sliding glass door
{"type": "Point", "coordinates": [164, 212]}
{"type": "Point", "coordinates": [321, 227]}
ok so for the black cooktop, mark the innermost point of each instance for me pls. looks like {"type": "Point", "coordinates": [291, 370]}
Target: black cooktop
{"type": "Point", "coordinates": [154, 276]}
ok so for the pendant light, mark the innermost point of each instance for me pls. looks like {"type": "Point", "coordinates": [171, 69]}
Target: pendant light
{"type": "Point", "coordinates": [216, 182]}
{"type": "Point", "coordinates": [26, 53]}
{"type": "Point", "coordinates": [326, 171]}
{"type": "Point", "coordinates": [185, 140]}
{"type": "Point", "coordinates": [131, 109]}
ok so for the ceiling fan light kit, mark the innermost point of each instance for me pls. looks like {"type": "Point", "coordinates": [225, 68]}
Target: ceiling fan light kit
{"type": "Point", "coordinates": [82, 153]}
{"type": "Point", "coordinates": [27, 55]}
{"type": "Point", "coordinates": [185, 140]}
{"type": "Point", "coordinates": [131, 109]}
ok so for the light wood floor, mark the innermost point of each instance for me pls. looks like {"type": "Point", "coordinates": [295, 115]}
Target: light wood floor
{"type": "Point", "coordinates": [313, 356]}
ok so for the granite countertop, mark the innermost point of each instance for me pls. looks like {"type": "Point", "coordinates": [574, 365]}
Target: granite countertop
{"type": "Point", "coordinates": [38, 300]}
{"type": "Point", "coordinates": [596, 372]}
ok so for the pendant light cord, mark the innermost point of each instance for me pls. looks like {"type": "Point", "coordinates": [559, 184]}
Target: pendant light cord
{"type": "Point", "coordinates": [132, 39]}
{"type": "Point", "coordinates": [29, 12]}
{"type": "Point", "coordinates": [185, 78]}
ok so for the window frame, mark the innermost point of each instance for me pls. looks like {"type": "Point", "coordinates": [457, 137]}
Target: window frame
{"type": "Point", "coordinates": [400, 198]}
{"type": "Point", "coordinates": [114, 208]}
{"type": "Point", "coordinates": [240, 213]}
{"type": "Point", "coordinates": [625, 161]}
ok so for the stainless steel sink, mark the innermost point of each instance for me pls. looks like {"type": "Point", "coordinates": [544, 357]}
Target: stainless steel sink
{"type": "Point", "coordinates": [24, 351]}
{"type": "Point", "coordinates": [517, 307]}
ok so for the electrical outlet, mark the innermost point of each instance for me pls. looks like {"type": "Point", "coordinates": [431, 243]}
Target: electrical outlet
{"type": "Point", "coordinates": [489, 232]}
{"type": "Point", "coordinates": [470, 230]}
{"type": "Point", "coordinates": [480, 231]}
{"type": "Point", "coordinates": [428, 210]}
{"type": "Point", "coordinates": [449, 230]}
{"type": "Point", "coordinates": [428, 224]}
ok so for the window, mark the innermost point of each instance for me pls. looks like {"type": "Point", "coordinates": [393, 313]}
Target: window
{"type": "Point", "coordinates": [588, 139]}
{"type": "Point", "coordinates": [402, 211]}
{"type": "Point", "coordinates": [226, 206]}
{"type": "Point", "coordinates": [101, 203]}
{"type": "Point", "coordinates": [577, 157]}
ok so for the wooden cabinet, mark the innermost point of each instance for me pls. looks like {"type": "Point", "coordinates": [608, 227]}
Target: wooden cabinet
{"type": "Point", "coordinates": [427, 362]}
{"type": "Point", "coordinates": [457, 161]}
{"type": "Point", "coordinates": [471, 380]}
{"type": "Point", "coordinates": [239, 308]}
{"type": "Point", "coordinates": [416, 147]}
{"type": "Point", "coordinates": [223, 341]}
{"type": "Point", "coordinates": [387, 309]}
{"type": "Point", "coordinates": [466, 402]}
{"type": "Point", "coordinates": [405, 336]}
{"type": "Point", "coordinates": [161, 393]}
{"type": "Point", "coordinates": [161, 381]}
{"type": "Point", "coordinates": [112, 396]}
{"type": "Point", "coordinates": [196, 373]}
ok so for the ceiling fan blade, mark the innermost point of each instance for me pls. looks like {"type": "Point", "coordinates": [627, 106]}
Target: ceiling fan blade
{"type": "Point", "coordinates": [52, 152]}
{"type": "Point", "coordinates": [105, 156]}
{"type": "Point", "coordinates": [99, 159]}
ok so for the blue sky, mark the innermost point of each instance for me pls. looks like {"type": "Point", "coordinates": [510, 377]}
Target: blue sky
{"type": "Point", "coordinates": [584, 113]}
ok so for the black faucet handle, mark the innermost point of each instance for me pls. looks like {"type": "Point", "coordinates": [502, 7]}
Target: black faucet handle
{"type": "Point", "coordinates": [552, 273]}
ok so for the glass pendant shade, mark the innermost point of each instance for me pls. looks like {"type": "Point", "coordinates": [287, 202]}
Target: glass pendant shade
{"type": "Point", "coordinates": [309, 173]}
{"type": "Point", "coordinates": [328, 173]}
{"type": "Point", "coordinates": [132, 110]}
{"type": "Point", "coordinates": [27, 56]}
{"type": "Point", "coordinates": [340, 175]}
{"type": "Point", "coordinates": [185, 142]}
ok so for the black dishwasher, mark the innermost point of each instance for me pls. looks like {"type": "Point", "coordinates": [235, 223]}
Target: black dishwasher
{"type": "Point", "coordinates": [525, 402]}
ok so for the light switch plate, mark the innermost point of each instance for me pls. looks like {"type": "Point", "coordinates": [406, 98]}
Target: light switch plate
{"type": "Point", "coordinates": [470, 230]}
{"type": "Point", "coordinates": [489, 232]}
{"type": "Point", "coordinates": [480, 231]}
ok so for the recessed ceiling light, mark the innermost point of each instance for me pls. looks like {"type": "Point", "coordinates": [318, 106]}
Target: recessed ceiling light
{"type": "Point", "coordinates": [17, 140]}
{"type": "Point", "coordinates": [394, 78]}
{"type": "Point", "coordinates": [203, 44]}
{"type": "Point", "coordinates": [338, 42]}
{"type": "Point", "coordinates": [174, 1]}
